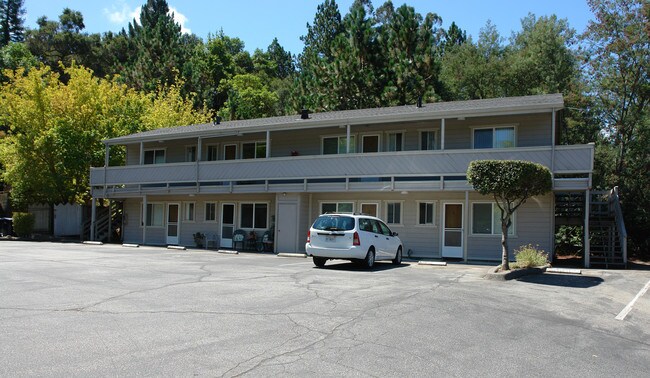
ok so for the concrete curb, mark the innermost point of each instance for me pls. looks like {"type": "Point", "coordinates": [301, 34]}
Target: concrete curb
{"type": "Point", "coordinates": [226, 252]}
{"type": "Point", "coordinates": [176, 247]}
{"type": "Point", "coordinates": [564, 270]}
{"type": "Point", "coordinates": [432, 263]}
{"type": "Point", "coordinates": [93, 242]}
{"type": "Point", "coordinates": [131, 245]}
{"type": "Point", "coordinates": [492, 274]}
{"type": "Point", "coordinates": [302, 255]}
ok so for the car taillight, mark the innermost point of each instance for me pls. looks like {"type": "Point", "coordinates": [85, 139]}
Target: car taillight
{"type": "Point", "coordinates": [308, 236]}
{"type": "Point", "coordinates": [355, 239]}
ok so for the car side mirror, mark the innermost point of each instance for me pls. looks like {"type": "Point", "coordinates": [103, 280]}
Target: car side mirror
{"type": "Point", "coordinates": [394, 234]}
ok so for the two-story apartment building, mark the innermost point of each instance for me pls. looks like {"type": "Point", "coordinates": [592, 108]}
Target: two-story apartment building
{"type": "Point", "coordinates": [405, 164]}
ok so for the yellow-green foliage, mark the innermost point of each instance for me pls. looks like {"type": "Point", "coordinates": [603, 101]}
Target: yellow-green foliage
{"type": "Point", "coordinates": [528, 256]}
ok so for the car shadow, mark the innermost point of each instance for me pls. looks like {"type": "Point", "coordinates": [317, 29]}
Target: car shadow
{"type": "Point", "coordinates": [580, 282]}
{"type": "Point", "coordinates": [352, 267]}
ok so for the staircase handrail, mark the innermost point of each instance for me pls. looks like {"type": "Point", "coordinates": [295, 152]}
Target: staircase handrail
{"type": "Point", "coordinates": [615, 207]}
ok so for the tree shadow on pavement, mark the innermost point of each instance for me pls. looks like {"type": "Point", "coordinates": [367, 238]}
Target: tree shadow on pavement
{"type": "Point", "coordinates": [580, 282]}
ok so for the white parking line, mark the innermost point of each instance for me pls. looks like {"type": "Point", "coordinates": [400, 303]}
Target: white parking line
{"type": "Point", "coordinates": [621, 315]}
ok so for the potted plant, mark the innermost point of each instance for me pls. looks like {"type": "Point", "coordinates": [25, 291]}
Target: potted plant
{"type": "Point", "coordinates": [199, 239]}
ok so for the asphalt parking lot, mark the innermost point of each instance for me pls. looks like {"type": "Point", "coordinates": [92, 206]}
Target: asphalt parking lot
{"type": "Point", "coordinates": [81, 310]}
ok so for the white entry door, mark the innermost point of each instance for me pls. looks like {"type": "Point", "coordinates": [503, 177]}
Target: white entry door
{"type": "Point", "coordinates": [287, 227]}
{"type": "Point", "coordinates": [172, 223]}
{"type": "Point", "coordinates": [452, 232]}
{"type": "Point", "coordinates": [227, 224]}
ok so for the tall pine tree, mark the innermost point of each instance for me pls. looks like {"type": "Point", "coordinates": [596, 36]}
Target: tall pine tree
{"type": "Point", "coordinates": [12, 14]}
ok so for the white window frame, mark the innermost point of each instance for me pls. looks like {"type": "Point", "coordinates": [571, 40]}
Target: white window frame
{"type": "Point", "coordinates": [376, 203]}
{"type": "Point", "coordinates": [188, 148]}
{"type": "Point", "coordinates": [186, 211]}
{"type": "Point", "coordinates": [337, 202]}
{"type": "Point", "coordinates": [255, 143]}
{"type": "Point", "coordinates": [401, 213]}
{"type": "Point", "coordinates": [493, 128]}
{"type": "Point", "coordinates": [144, 158]}
{"type": "Point", "coordinates": [207, 151]}
{"type": "Point", "coordinates": [205, 212]}
{"type": "Point", "coordinates": [162, 204]}
{"type": "Point", "coordinates": [241, 213]}
{"type": "Point", "coordinates": [433, 215]}
{"type": "Point", "coordinates": [436, 137]}
{"type": "Point", "coordinates": [353, 143]}
{"type": "Point", "coordinates": [389, 133]}
{"type": "Point", "coordinates": [225, 147]}
{"type": "Point", "coordinates": [363, 136]}
{"type": "Point", "coordinates": [496, 228]}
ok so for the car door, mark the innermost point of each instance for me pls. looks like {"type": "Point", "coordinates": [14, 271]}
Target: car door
{"type": "Point", "coordinates": [390, 242]}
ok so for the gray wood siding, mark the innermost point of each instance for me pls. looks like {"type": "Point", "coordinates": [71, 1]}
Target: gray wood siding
{"type": "Point", "coordinates": [533, 226]}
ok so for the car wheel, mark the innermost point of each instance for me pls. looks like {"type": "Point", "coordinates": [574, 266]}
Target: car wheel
{"type": "Point", "coordinates": [398, 257]}
{"type": "Point", "coordinates": [369, 261]}
{"type": "Point", "coordinates": [319, 261]}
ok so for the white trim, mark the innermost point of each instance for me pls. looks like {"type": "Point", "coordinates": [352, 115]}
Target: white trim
{"type": "Point", "coordinates": [433, 215]}
{"type": "Point", "coordinates": [496, 229]}
{"type": "Point", "coordinates": [463, 227]}
{"type": "Point", "coordinates": [515, 126]}
{"type": "Point", "coordinates": [205, 212]}
{"type": "Point", "coordinates": [401, 213]}
{"type": "Point", "coordinates": [178, 223]}
{"type": "Point", "coordinates": [371, 134]}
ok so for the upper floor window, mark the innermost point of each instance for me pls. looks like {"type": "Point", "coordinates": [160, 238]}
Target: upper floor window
{"type": "Point", "coordinates": [370, 143]}
{"type": "Point", "coordinates": [338, 145]}
{"type": "Point", "coordinates": [253, 150]}
{"type": "Point", "coordinates": [494, 137]}
{"type": "Point", "coordinates": [395, 141]}
{"type": "Point", "coordinates": [427, 140]}
{"type": "Point", "coordinates": [230, 152]}
{"type": "Point", "coordinates": [190, 153]}
{"type": "Point", "coordinates": [211, 154]}
{"type": "Point", "coordinates": [154, 156]}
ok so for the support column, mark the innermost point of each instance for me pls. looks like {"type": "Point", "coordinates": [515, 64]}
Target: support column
{"type": "Point", "coordinates": [442, 134]}
{"type": "Point", "coordinates": [93, 218]}
{"type": "Point", "coordinates": [553, 149]}
{"type": "Point", "coordinates": [268, 144]}
{"type": "Point", "coordinates": [110, 221]}
{"type": "Point", "coordinates": [144, 219]}
{"type": "Point", "coordinates": [199, 157]}
{"type": "Point", "coordinates": [464, 225]}
{"type": "Point", "coordinates": [347, 143]}
{"type": "Point", "coordinates": [141, 153]}
{"type": "Point", "coordinates": [586, 242]}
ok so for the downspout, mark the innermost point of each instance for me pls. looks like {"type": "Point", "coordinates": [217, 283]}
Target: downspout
{"type": "Point", "coordinates": [442, 134]}
{"type": "Point", "coordinates": [586, 236]}
{"type": "Point", "coordinates": [144, 219]}
{"type": "Point", "coordinates": [199, 157]}
{"type": "Point", "coordinates": [347, 148]}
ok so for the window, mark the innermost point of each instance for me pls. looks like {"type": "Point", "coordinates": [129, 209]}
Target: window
{"type": "Point", "coordinates": [486, 219]}
{"type": "Point", "coordinates": [253, 150]}
{"type": "Point", "coordinates": [188, 213]}
{"type": "Point", "coordinates": [426, 213]}
{"type": "Point", "coordinates": [337, 207]}
{"type": "Point", "coordinates": [494, 137]}
{"type": "Point", "coordinates": [395, 142]}
{"type": "Point", "coordinates": [254, 215]}
{"type": "Point", "coordinates": [154, 156]}
{"type": "Point", "coordinates": [427, 140]}
{"type": "Point", "coordinates": [155, 216]}
{"type": "Point", "coordinates": [370, 209]}
{"type": "Point", "coordinates": [338, 145]}
{"type": "Point", "coordinates": [212, 153]}
{"type": "Point", "coordinates": [394, 213]}
{"type": "Point", "coordinates": [210, 211]}
{"type": "Point", "coordinates": [190, 153]}
{"type": "Point", "coordinates": [370, 143]}
{"type": "Point", "coordinates": [230, 152]}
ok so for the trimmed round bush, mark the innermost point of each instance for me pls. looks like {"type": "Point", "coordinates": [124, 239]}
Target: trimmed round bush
{"type": "Point", "coordinates": [23, 224]}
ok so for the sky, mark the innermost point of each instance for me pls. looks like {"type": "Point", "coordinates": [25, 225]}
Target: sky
{"type": "Point", "coordinates": [257, 22]}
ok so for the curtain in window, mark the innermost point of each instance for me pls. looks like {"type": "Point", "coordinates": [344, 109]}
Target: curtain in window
{"type": "Point", "coordinates": [504, 137]}
{"type": "Point", "coordinates": [483, 138]}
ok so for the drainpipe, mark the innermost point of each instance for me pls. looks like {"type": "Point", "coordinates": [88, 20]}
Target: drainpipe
{"type": "Point", "coordinates": [141, 153]}
{"type": "Point", "coordinates": [586, 237]}
{"type": "Point", "coordinates": [106, 159]}
{"type": "Point", "coordinates": [442, 134]}
{"type": "Point", "coordinates": [347, 143]}
{"type": "Point", "coordinates": [144, 219]}
{"type": "Point", "coordinates": [198, 159]}
{"type": "Point", "coordinates": [465, 216]}
{"type": "Point", "coordinates": [268, 144]}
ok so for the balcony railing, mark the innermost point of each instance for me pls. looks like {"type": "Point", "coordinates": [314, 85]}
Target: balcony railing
{"type": "Point", "coordinates": [568, 160]}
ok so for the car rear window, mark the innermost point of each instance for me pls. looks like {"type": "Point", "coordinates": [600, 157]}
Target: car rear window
{"type": "Point", "coordinates": [334, 223]}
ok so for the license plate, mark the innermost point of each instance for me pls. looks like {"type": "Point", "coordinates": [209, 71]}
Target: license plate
{"type": "Point", "coordinates": [330, 238]}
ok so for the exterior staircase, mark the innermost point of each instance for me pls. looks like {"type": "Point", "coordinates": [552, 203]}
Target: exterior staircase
{"type": "Point", "coordinates": [607, 244]}
{"type": "Point", "coordinates": [108, 220]}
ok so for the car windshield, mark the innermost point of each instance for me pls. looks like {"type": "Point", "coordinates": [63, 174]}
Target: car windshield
{"type": "Point", "coordinates": [334, 223]}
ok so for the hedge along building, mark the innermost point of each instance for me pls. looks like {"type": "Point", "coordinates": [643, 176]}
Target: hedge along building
{"type": "Point", "coordinates": [405, 164]}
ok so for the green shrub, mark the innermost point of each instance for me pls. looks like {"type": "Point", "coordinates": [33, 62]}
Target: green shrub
{"type": "Point", "coordinates": [23, 224]}
{"type": "Point", "coordinates": [528, 256]}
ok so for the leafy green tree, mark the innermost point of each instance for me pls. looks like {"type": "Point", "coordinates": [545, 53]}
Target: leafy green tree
{"type": "Point", "coordinates": [510, 183]}
{"type": "Point", "coordinates": [618, 63]}
{"type": "Point", "coordinates": [248, 98]}
{"type": "Point", "coordinates": [15, 55]}
{"type": "Point", "coordinates": [12, 14]}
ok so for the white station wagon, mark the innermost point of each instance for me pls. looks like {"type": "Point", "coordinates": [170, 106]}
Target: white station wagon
{"type": "Point", "coordinates": [355, 237]}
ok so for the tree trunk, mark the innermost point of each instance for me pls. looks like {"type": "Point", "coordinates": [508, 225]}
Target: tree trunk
{"type": "Point", "coordinates": [505, 264]}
